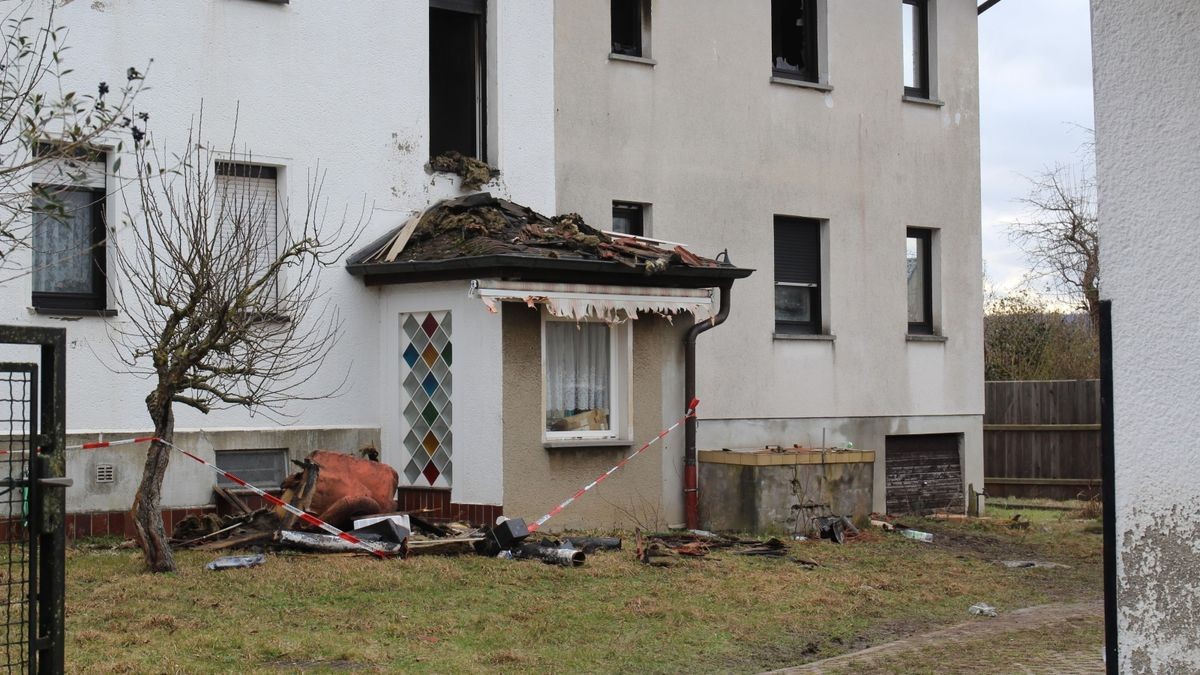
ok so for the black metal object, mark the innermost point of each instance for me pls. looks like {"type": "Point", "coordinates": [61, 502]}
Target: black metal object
{"type": "Point", "coordinates": [32, 505]}
{"type": "Point", "coordinates": [985, 6]}
{"type": "Point", "coordinates": [1108, 487]}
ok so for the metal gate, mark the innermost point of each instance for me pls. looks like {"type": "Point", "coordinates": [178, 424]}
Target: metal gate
{"type": "Point", "coordinates": [32, 503]}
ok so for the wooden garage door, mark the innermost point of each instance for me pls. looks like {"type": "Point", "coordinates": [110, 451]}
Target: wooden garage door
{"type": "Point", "coordinates": [924, 472]}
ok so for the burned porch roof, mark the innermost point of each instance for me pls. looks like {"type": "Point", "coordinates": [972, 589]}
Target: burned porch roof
{"type": "Point", "coordinates": [481, 235]}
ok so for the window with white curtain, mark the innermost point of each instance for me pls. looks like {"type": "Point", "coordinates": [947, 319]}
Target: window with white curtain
{"type": "Point", "coordinates": [584, 382]}
{"type": "Point", "coordinates": [69, 237]}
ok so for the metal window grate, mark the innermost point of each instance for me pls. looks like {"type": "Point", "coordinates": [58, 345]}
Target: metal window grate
{"type": "Point", "coordinates": [17, 393]}
{"type": "Point", "coordinates": [106, 473]}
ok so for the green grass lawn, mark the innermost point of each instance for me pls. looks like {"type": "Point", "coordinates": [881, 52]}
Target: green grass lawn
{"type": "Point", "coordinates": [724, 612]}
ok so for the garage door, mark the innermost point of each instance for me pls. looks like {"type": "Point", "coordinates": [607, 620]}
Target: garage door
{"type": "Point", "coordinates": [924, 472]}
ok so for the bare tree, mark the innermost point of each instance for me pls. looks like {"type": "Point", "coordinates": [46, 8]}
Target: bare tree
{"type": "Point", "coordinates": [44, 124]}
{"type": "Point", "coordinates": [222, 310]}
{"type": "Point", "coordinates": [1060, 236]}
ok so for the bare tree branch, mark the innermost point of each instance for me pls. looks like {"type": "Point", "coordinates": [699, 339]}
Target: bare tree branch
{"type": "Point", "coordinates": [1060, 236]}
{"type": "Point", "coordinates": [220, 284]}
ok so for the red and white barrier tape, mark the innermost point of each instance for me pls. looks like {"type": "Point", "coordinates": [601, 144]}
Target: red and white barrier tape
{"type": "Point", "coordinates": [691, 412]}
{"type": "Point", "coordinates": [272, 499]}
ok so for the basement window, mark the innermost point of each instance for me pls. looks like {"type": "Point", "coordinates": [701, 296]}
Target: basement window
{"type": "Point", "coordinates": [264, 469]}
{"type": "Point", "coordinates": [631, 27]}
{"type": "Point", "coordinates": [794, 40]}
{"type": "Point", "coordinates": [457, 77]}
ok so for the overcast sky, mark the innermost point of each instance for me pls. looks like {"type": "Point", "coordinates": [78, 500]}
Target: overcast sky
{"type": "Point", "coordinates": [1035, 91]}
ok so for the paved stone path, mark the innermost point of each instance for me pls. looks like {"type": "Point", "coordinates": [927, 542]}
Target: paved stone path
{"type": "Point", "coordinates": [1043, 617]}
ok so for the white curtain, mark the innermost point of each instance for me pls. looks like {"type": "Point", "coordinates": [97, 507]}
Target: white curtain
{"type": "Point", "coordinates": [577, 374]}
{"type": "Point", "coordinates": [62, 243]}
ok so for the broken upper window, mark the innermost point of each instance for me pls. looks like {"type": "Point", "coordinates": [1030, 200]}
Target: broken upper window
{"type": "Point", "coordinates": [797, 275]}
{"type": "Point", "coordinates": [457, 79]}
{"type": "Point", "coordinates": [68, 235]}
{"type": "Point", "coordinates": [794, 39]}
{"type": "Point", "coordinates": [630, 23]}
{"type": "Point", "coordinates": [629, 218]}
{"type": "Point", "coordinates": [915, 19]}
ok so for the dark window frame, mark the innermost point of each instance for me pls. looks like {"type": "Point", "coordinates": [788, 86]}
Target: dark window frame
{"type": "Point", "coordinates": [636, 15]}
{"type": "Point", "coordinates": [924, 238]}
{"type": "Point", "coordinates": [812, 70]}
{"type": "Point", "coordinates": [478, 9]}
{"type": "Point", "coordinates": [98, 298]}
{"type": "Point", "coordinates": [625, 209]}
{"type": "Point", "coordinates": [921, 25]}
{"type": "Point", "coordinates": [810, 278]}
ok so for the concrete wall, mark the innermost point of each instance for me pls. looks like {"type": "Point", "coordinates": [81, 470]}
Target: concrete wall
{"type": "Point", "coordinates": [718, 150]}
{"type": "Point", "coordinates": [476, 391]}
{"type": "Point", "coordinates": [1147, 86]}
{"type": "Point", "coordinates": [772, 498]}
{"type": "Point", "coordinates": [648, 491]}
{"type": "Point", "coordinates": [345, 86]}
{"type": "Point", "coordinates": [866, 433]}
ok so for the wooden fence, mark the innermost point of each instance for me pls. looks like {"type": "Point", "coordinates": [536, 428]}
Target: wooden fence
{"type": "Point", "coordinates": [1042, 439]}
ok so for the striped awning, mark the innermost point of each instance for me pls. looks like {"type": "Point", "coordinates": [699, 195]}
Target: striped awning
{"type": "Point", "coordinates": [589, 301]}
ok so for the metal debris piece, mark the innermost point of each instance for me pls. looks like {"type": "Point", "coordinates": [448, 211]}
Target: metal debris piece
{"type": "Point", "coordinates": [236, 561]}
{"type": "Point", "coordinates": [982, 609]}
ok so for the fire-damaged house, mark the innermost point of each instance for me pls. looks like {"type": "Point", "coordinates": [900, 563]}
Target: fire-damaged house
{"type": "Point", "coordinates": [525, 355]}
{"type": "Point", "coordinates": [500, 359]}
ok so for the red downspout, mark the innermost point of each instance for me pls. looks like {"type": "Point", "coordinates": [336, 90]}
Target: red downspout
{"type": "Point", "coordinates": [691, 499]}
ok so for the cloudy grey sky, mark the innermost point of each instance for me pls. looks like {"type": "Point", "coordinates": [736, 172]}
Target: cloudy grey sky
{"type": "Point", "coordinates": [1035, 91]}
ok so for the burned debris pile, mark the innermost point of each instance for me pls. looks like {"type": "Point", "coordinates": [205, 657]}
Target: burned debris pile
{"type": "Point", "coordinates": [473, 172]}
{"type": "Point", "coordinates": [483, 225]}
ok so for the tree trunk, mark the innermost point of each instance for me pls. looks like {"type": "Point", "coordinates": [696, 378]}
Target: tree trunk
{"type": "Point", "coordinates": [148, 504]}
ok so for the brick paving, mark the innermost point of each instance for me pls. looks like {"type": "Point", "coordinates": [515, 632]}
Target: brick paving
{"type": "Point", "coordinates": [1000, 655]}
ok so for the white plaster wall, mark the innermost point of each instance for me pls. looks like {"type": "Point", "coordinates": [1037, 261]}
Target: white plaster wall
{"type": "Point", "coordinates": [477, 387]}
{"type": "Point", "coordinates": [1146, 60]}
{"type": "Point", "coordinates": [718, 150]}
{"type": "Point", "coordinates": [344, 85]}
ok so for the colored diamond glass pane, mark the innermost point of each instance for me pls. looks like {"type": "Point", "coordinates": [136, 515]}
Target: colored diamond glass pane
{"type": "Point", "coordinates": [431, 473]}
{"type": "Point", "coordinates": [430, 384]}
{"type": "Point", "coordinates": [447, 353]}
{"type": "Point", "coordinates": [430, 355]}
{"type": "Point", "coordinates": [410, 355]}
{"type": "Point", "coordinates": [430, 443]}
{"type": "Point", "coordinates": [430, 324]}
{"type": "Point", "coordinates": [430, 413]}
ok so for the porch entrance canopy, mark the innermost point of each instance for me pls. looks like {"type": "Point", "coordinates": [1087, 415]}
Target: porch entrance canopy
{"type": "Point", "coordinates": [593, 301]}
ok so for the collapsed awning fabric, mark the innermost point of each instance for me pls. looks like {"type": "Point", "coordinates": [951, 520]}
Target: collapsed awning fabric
{"type": "Point", "coordinates": [606, 303]}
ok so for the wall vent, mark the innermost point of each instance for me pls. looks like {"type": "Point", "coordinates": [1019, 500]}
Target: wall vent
{"type": "Point", "coordinates": [105, 473]}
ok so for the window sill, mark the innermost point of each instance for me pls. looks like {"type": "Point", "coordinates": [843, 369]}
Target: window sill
{"type": "Point", "coordinates": [922, 101]}
{"type": "Point", "coordinates": [804, 84]}
{"type": "Point", "coordinates": [911, 337]}
{"type": "Point", "coordinates": [580, 443]}
{"type": "Point", "coordinates": [74, 313]}
{"type": "Point", "coordinates": [645, 61]}
{"type": "Point", "coordinates": [820, 337]}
